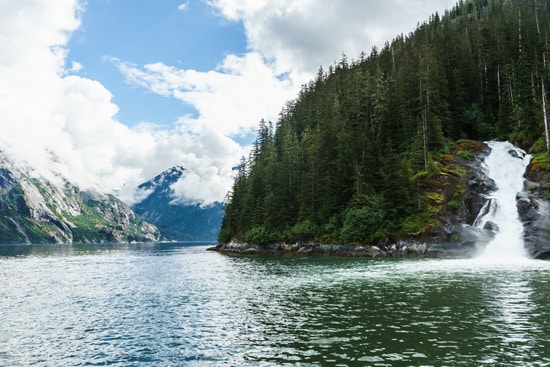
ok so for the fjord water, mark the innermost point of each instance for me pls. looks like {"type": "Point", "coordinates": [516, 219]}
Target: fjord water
{"type": "Point", "coordinates": [506, 165]}
{"type": "Point", "coordinates": [179, 305]}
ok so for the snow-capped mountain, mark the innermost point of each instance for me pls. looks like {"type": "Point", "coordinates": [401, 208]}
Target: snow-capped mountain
{"type": "Point", "coordinates": [175, 219]}
{"type": "Point", "coordinates": [36, 210]}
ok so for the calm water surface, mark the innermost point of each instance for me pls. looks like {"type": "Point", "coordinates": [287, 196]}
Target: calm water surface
{"type": "Point", "coordinates": [178, 305]}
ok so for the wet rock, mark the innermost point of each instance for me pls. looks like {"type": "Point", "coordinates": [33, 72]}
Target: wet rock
{"type": "Point", "coordinates": [457, 241]}
{"type": "Point", "coordinates": [412, 248]}
{"type": "Point", "coordinates": [469, 234]}
{"type": "Point", "coordinates": [516, 154]}
{"type": "Point", "coordinates": [535, 215]}
{"type": "Point", "coordinates": [460, 251]}
{"type": "Point", "coordinates": [491, 226]}
{"type": "Point", "coordinates": [479, 186]}
{"type": "Point", "coordinates": [306, 250]}
{"type": "Point", "coordinates": [237, 248]}
{"type": "Point", "coordinates": [528, 208]}
{"type": "Point", "coordinates": [301, 249]}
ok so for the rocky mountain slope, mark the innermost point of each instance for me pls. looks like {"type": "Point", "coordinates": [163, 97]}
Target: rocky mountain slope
{"type": "Point", "coordinates": [35, 210]}
{"type": "Point", "coordinates": [177, 220]}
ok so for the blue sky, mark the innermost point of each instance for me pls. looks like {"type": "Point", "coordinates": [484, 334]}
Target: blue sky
{"type": "Point", "coordinates": [189, 35]}
{"type": "Point", "coordinates": [109, 93]}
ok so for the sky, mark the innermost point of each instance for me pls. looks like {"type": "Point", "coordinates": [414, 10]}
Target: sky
{"type": "Point", "coordinates": [109, 93]}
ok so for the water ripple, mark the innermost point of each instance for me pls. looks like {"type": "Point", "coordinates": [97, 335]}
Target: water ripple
{"type": "Point", "coordinates": [184, 306]}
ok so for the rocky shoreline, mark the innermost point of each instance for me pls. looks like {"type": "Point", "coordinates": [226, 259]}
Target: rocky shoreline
{"type": "Point", "coordinates": [457, 241]}
{"type": "Point", "coordinates": [396, 250]}
{"type": "Point", "coordinates": [453, 236]}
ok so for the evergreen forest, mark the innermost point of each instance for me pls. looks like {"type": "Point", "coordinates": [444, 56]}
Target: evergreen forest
{"type": "Point", "coordinates": [345, 159]}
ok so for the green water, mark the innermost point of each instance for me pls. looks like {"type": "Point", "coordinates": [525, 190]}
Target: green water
{"type": "Point", "coordinates": [178, 305]}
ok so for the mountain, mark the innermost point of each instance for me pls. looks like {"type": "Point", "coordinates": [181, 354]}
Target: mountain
{"type": "Point", "coordinates": [367, 150]}
{"type": "Point", "coordinates": [35, 210]}
{"type": "Point", "coordinates": [175, 220]}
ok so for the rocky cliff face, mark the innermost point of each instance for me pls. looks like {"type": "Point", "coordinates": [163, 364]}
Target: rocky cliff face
{"type": "Point", "coordinates": [34, 210]}
{"type": "Point", "coordinates": [456, 234]}
{"type": "Point", "coordinates": [534, 212]}
{"type": "Point", "coordinates": [462, 187]}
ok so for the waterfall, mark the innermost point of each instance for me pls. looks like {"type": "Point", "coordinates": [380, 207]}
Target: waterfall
{"type": "Point", "coordinates": [506, 165]}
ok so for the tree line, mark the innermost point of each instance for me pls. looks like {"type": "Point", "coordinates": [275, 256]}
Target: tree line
{"type": "Point", "coordinates": [341, 164]}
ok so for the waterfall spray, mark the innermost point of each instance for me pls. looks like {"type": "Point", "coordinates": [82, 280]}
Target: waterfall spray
{"type": "Point", "coordinates": [506, 165]}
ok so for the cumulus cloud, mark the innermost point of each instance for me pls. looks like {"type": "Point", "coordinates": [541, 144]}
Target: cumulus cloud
{"type": "Point", "coordinates": [63, 126]}
{"type": "Point", "coordinates": [75, 67]}
{"type": "Point", "coordinates": [122, 157]}
{"type": "Point", "coordinates": [183, 6]}
{"type": "Point", "coordinates": [231, 100]}
{"type": "Point", "coordinates": [303, 35]}
{"type": "Point", "coordinates": [32, 59]}
{"type": "Point", "coordinates": [288, 41]}
{"type": "Point", "coordinates": [59, 124]}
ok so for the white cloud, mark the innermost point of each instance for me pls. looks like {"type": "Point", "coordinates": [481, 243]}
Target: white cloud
{"type": "Point", "coordinates": [285, 37]}
{"type": "Point", "coordinates": [62, 124]}
{"type": "Point", "coordinates": [75, 67]}
{"type": "Point", "coordinates": [183, 6]}
{"type": "Point", "coordinates": [32, 34]}
{"type": "Point", "coordinates": [303, 35]}
{"type": "Point", "coordinates": [231, 100]}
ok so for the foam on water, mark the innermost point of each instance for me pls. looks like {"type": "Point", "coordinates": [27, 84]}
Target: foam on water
{"type": "Point", "coordinates": [506, 165]}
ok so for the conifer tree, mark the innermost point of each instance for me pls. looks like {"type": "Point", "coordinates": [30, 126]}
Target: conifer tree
{"type": "Point", "coordinates": [360, 133]}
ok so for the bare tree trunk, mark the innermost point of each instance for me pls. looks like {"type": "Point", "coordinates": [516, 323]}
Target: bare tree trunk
{"type": "Point", "coordinates": [519, 32]}
{"type": "Point", "coordinates": [545, 116]}
{"type": "Point", "coordinates": [537, 20]}
{"type": "Point", "coordinates": [425, 129]}
{"type": "Point", "coordinates": [425, 108]}
{"type": "Point", "coordinates": [393, 58]}
{"type": "Point", "coordinates": [533, 88]}
{"type": "Point", "coordinates": [510, 91]}
{"type": "Point", "coordinates": [498, 81]}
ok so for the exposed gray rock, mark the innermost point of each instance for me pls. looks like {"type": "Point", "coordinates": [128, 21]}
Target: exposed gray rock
{"type": "Point", "coordinates": [479, 185]}
{"type": "Point", "coordinates": [35, 210]}
{"type": "Point", "coordinates": [7, 180]}
{"type": "Point", "coordinates": [302, 249]}
{"type": "Point", "coordinates": [463, 238]}
{"type": "Point", "coordinates": [516, 154]}
{"type": "Point", "coordinates": [177, 220]}
{"type": "Point", "coordinates": [535, 215]}
{"type": "Point", "coordinates": [491, 226]}
{"type": "Point", "coordinates": [455, 236]}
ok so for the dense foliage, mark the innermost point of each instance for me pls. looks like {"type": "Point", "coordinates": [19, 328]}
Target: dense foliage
{"type": "Point", "coordinates": [344, 160]}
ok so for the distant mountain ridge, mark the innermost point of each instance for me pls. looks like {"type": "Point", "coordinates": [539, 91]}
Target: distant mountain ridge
{"type": "Point", "coordinates": [177, 221]}
{"type": "Point", "coordinates": [35, 210]}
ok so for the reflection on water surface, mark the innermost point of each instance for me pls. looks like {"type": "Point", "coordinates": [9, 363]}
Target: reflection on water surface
{"type": "Point", "coordinates": [176, 304]}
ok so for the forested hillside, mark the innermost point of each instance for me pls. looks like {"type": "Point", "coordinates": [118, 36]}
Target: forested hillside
{"type": "Point", "coordinates": [348, 158]}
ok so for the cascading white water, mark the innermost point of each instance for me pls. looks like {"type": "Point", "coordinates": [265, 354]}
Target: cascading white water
{"type": "Point", "coordinates": [506, 165]}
